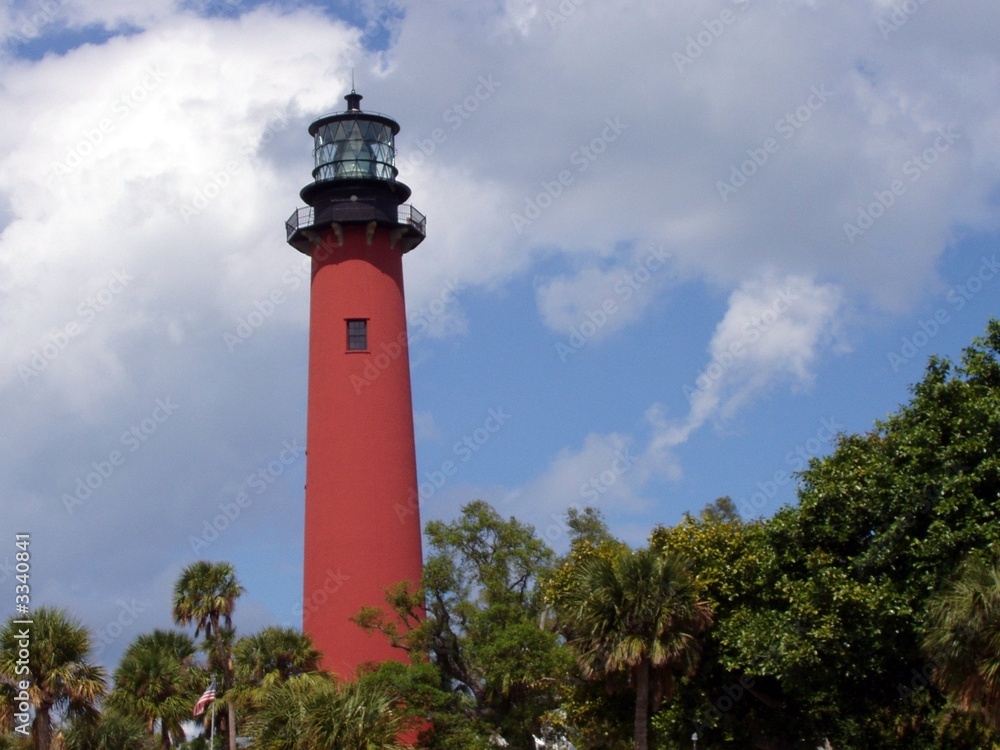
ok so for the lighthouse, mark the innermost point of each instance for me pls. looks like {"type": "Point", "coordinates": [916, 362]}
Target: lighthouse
{"type": "Point", "coordinates": [362, 525]}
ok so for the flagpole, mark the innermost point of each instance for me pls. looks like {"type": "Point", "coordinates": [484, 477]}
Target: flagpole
{"type": "Point", "coordinates": [211, 741]}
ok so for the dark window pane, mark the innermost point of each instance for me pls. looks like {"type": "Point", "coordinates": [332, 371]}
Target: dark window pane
{"type": "Point", "coordinates": [357, 335]}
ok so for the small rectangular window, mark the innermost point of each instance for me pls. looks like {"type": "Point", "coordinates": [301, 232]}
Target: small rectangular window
{"type": "Point", "coordinates": [357, 335]}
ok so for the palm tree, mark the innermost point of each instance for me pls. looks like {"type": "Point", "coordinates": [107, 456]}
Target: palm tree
{"type": "Point", "coordinates": [635, 612]}
{"type": "Point", "coordinates": [61, 676]}
{"type": "Point", "coordinates": [112, 731]}
{"type": "Point", "coordinates": [206, 594]}
{"type": "Point", "coordinates": [962, 638]}
{"type": "Point", "coordinates": [269, 657]}
{"type": "Point", "coordinates": [311, 712]}
{"type": "Point", "coordinates": [156, 680]}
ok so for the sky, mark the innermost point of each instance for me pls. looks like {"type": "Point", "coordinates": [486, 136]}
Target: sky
{"type": "Point", "coordinates": [673, 249]}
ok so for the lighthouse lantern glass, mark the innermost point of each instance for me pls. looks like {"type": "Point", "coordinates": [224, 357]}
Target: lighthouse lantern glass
{"type": "Point", "coordinates": [353, 148]}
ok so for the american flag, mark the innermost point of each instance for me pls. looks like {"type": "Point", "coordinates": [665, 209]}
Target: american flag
{"type": "Point", "coordinates": [207, 697]}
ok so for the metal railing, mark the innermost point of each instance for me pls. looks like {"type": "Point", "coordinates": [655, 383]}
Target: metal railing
{"type": "Point", "coordinates": [300, 218]}
{"type": "Point", "coordinates": [303, 218]}
{"type": "Point", "coordinates": [409, 215]}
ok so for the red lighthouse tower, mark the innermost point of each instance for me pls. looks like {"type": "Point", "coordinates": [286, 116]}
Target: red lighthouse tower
{"type": "Point", "coordinates": [361, 463]}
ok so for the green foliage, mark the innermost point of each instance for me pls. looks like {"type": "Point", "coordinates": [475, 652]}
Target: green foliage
{"type": "Point", "coordinates": [205, 595]}
{"type": "Point", "coordinates": [110, 731]}
{"type": "Point", "coordinates": [820, 609]}
{"type": "Point", "coordinates": [14, 742]}
{"type": "Point", "coordinates": [962, 638]}
{"type": "Point", "coordinates": [443, 718]}
{"type": "Point", "coordinates": [727, 558]}
{"type": "Point", "coordinates": [311, 712]}
{"type": "Point", "coordinates": [639, 613]}
{"type": "Point", "coordinates": [481, 628]}
{"type": "Point", "coordinates": [157, 681]}
{"type": "Point", "coordinates": [63, 680]}
{"type": "Point", "coordinates": [267, 658]}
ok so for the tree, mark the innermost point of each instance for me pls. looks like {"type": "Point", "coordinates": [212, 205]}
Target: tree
{"type": "Point", "coordinates": [843, 578]}
{"type": "Point", "coordinates": [58, 667]}
{"type": "Point", "coordinates": [311, 712]}
{"type": "Point", "coordinates": [636, 612]}
{"type": "Point", "coordinates": [206, 594]}
{"type": "Point", "coordinates": [110, 731]}
{"type": "Point", "coordinates": [477, 618]}
{"type": "Point", "coordinates": [157, 680]}
{"type": "Point", "coordinates": [272, 656]}
{"type": "Point", "coordinates": [962, 638]}
{"type": "Point", "coordinates": [726, 556]}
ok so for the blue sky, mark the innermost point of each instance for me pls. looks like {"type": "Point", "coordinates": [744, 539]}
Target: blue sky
{"type": "Point", "coordinates": [676, 246]}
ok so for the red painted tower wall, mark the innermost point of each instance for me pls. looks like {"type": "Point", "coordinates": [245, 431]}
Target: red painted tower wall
{"type": "Point", "coordinates": [362, 528]}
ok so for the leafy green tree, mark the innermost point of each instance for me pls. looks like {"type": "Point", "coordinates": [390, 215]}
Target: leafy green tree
{"type": "Point", "coordinates": [63, 680]}
{"type": "Point", "coordinates": [727, 557]}
{"type": "Point", "coordinates": [819, 624]}
{"type": "Point", "coordinates": [157, 681]}
{"type": "Point", "coordinates": [637, 613]}
{"type": "Point", "coordinates": [478, 619]}
{"type": "Point", "coordinates": [962, 638]}
{"type": "Point", "coordinates": [206, 594]}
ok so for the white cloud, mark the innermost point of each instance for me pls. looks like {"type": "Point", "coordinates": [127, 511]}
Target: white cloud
{"type": "Point", "coordinates": [774, 330]}
{"type": "Point", "coordinates": [597, 301]}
